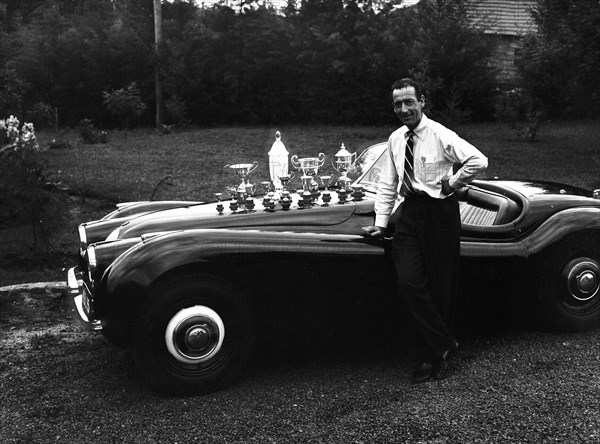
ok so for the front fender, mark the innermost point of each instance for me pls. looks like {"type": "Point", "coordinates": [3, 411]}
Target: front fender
{"type": "Point", "coordinates": [227, 251]}
{"type": "Point", "coordinates": [97, 231]}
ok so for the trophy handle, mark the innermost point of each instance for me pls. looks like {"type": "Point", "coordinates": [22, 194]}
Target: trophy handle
{"type": "Point", "coordinates": [321, 159]}
{"type": "Point", "coordinates": [292, 175]}
{"type": "Point", "coordinates": [254, 166]}
{"type": "Point", "coordinates": [294, 160]}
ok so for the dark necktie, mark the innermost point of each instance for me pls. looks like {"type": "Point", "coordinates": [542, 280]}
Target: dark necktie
{"type": "Point", "coordinates": [409, 174]}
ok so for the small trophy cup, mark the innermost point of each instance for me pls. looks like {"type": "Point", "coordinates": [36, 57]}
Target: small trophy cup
{"type": "Point", "coordinates": [249, 201]}
{"type": "Point", "coordinates": [220, 207]}
{"type": "Point", "coordinates": [326, 196]}
{"type": "Point", "coordinates": [267, 186]}
{"type": "Point", "coordinates": [233, 205]}
{"type": "Point", "coordinates": [343, 162]}
{"type": "Point", "coordinates": [358, 193]}
{"type": "Point", "coordinates": [268, 201]}
{"type": "Point", "coordinates": [307, 193]}
{"type": "Point", "coordinates": [286, 200]}
{"type": "Point", "coordinates": [284, 179]}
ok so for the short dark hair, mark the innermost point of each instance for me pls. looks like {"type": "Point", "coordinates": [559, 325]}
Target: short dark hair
{"type": "Point", "coordinates": [407, 82]}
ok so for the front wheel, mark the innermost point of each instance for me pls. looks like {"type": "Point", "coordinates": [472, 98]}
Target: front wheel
{"type": "Point", "coordinates": [194, 336]}
{"type": "Point", "coordinates": [570, 287]}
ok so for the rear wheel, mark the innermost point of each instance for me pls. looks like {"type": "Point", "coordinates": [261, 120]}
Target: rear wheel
{"type": "Point", "coordinates": [194, 336]}
{"type": "Point", "coordinates": [570, 287]}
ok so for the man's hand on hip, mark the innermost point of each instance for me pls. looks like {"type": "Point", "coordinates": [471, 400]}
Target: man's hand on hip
{"type": "Point", "coordinates": [446, 188]}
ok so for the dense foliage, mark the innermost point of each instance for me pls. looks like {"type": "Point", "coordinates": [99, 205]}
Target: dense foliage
{"type": "Point", "coordinates": [322, 61]}
{"type": "Point", "coordinates": [561, 63]}
{"type": "Point", "coordinates": [314, 61]}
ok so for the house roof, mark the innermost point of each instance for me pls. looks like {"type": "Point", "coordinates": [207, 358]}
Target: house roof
{"type": "Point", "coordinates": [502, 17]}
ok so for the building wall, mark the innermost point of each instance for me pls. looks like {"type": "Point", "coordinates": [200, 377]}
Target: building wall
{"type": "Point", "coordinates": [504, 60]}
{"type": "Point", "coordinates": [506, 22]}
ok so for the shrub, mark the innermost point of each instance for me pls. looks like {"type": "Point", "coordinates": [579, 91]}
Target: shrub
{"type": "Point", "coordinates": [43, 115]}
{"type": "Point", "coordinates": [126, 103]}
{"type": "Point", "coordinates": [89, 134]}
{"type": "Point", "coordinates": [12, 90]}
{"type": "Point", "coordinates": [176, 111]}
{"type": "Point", "coordinates": [516, 106]}
{"type": "Point", "coordinates": [28, 196]}
{"type": "Point", "coordinates": [22, 173]}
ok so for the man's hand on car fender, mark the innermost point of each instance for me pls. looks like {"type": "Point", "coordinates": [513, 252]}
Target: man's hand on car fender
{"type": "Point", "coordinates": [373, 231]}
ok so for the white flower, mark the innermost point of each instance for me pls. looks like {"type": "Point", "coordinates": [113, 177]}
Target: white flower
{"type": "Point", "coordinates": [20, 140]}
{"type": "Point", "coordinates": [28, 138]}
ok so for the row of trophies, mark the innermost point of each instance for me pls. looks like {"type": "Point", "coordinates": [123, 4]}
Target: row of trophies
{"type": "Point", "coordinates": [276, 190]}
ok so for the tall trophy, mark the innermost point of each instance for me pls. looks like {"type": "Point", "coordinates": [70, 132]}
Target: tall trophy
{"type": "Point", "coordinates": [278, 163]}
{"type": "Point", "coordinates": [342, 163]}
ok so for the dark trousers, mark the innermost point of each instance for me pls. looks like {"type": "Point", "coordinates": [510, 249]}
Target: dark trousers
{"type": "Point", "coordinates": [426, 247]}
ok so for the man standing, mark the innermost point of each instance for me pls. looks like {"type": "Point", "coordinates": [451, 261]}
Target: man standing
{"type": "Point", "coordinates": [418, 173]}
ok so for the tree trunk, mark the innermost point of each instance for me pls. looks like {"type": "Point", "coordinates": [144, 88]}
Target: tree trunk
{"type": "Point", "coordinates": [157, 63]}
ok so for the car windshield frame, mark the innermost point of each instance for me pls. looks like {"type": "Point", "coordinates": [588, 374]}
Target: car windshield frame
{"type": "Point", "coordinates": [366, 170]}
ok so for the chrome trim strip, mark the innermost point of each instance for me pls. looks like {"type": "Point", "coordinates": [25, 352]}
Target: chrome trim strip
{"type": "Point", "coordinates": [76, 291]}
{"type": "Point", "coordinates": [92, 325]}
{"type": "Point", "coordinates": [72, 281]}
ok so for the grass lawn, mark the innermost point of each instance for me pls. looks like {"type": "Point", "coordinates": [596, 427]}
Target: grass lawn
{"type": "Point", "coordinates": [189, 164]}
{"type": "Point", "coordinates": [131, 165]}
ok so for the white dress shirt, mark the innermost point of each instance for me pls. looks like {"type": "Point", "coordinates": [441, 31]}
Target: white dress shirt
{"type": "Point", "coordinates": [436, 150]}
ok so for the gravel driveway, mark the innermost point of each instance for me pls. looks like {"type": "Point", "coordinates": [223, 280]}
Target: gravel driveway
{"type": "Point", "coordinates": [511, 383]}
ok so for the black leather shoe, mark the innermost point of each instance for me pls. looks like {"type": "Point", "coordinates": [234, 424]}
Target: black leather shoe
{"type": "Point", "coordinates": [423, 374]}
{"type": "Point", "coordinates": [442, 367]}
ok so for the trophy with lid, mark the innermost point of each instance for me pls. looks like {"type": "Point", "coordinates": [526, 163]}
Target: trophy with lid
{"type": "Point", "coordinates": [278, 164]}
{"type": "Point", "coordinates": [342, 164]}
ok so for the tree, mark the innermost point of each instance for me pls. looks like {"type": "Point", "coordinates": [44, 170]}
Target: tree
{"type": "Point", "coordinates": [561, 63]}
{"type": "Point", "coordinates": [125, 103]}
{"type": "Point", "coordinates": [157, 55]}
{"type": "Point", "coordinates": [452, 57]}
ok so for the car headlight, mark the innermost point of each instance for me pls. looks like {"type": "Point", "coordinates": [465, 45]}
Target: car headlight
{"type": "Point", "coordinates": [82, 237]}
{"type": "Point", "coordinates": [92, 259]}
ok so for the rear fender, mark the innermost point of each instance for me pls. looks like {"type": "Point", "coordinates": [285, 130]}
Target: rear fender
{"type": "Point", "coordinates": [560, 226]}
{"type": "Point", "coordinates": [556, 228]}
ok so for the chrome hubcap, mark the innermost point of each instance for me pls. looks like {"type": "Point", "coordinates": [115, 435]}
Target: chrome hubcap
{"type": "Point", "coordinates": [197, 338]}
{"type": "Point", "coordinates": [583, 279]}
{"type": "Point", "coordinates": [194, 334]}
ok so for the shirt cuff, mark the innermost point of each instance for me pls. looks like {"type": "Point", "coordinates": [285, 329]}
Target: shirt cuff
{"type": "Point", "coordinates": [381, 220]}
{"type": "Point", "coordinates": [454, 183]}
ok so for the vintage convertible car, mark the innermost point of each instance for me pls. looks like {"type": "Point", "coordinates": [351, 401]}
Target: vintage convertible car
{"type": "Point", "coordinates": [188, 286]}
